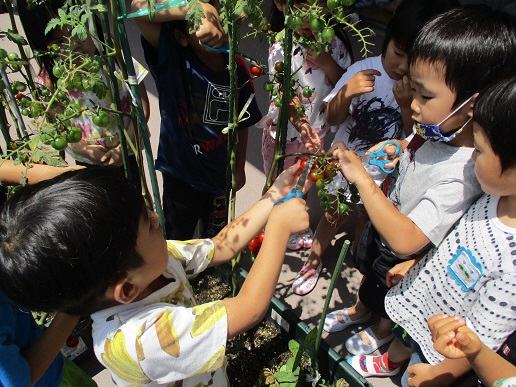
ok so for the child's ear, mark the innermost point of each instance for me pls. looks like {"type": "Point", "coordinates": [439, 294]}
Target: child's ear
{"type": "Point", "coordinates": [472, 104]}
{"type": "Point", "coordinates": [280, 5]}
{"type": "Point", "coordinates": [181, 38]}
{"type": "Point", "coordinates": [125, 291]}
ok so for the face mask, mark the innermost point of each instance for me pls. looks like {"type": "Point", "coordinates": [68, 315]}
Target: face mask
{"type": "Point", "coordinates": [433, 132]}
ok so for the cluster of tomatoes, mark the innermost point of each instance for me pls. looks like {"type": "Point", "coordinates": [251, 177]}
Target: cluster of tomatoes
{"type": "Point", "coordinates": [322, 173]}
{"type": "Point", "coordinates": [255, 244]}
{"type": "Point", "coordinates": [10, 59]}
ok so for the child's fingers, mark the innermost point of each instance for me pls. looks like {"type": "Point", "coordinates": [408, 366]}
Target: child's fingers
{"type": "Point", "coordinates": [371, 72]}
{"type": "Point", "coordinates": [432, 320]}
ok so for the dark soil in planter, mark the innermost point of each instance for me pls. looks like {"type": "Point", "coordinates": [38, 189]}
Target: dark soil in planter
{"type": "Point", "coordinates": [248, 353]}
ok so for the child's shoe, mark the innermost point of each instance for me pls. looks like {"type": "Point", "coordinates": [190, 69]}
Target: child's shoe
{"type": "Point", "coordinates": [295, 242]}
{"type": "Point", "coordinates": [374, 365]}
{"type": "Point", "coordinates": [308, 238]}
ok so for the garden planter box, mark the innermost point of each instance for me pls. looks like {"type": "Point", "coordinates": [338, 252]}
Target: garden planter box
{"type": "Point", "coordinates": [331, 365]}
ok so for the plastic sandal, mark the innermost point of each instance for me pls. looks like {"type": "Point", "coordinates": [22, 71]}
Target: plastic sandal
{"type": "Point", "coordinates": [356, 346]}
{"type": "Point", "coordinates": [332, 323]}
{"type": "Point", "coordinates": [371, 366]}
{"type": "Point", "coordinates": [302, 286]}
{"type": "Point", "coordinates": [308, 238]}
{"type": "Point", "coordinates": [295, 242]}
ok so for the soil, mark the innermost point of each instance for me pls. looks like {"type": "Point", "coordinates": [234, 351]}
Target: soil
{"type": "Point", "coordinates": [248, 354]}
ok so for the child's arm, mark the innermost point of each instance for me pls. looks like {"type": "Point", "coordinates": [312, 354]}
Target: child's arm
{"type": "Point", "coordinates": [309, 137]}
{"type": "Point", "coordinates": [236, 235]}
{"type": "Point", "coordinates": [250, 305]}
{"type": "Point", "coordinates": [401, 234]}
{"type": "Point", "coordinates": [453, 339]}
{"type": "Point", "coordinates": [360, 83]}
{"type": "Point", "coordinates": [42, 353]}
{"type": "Point", "coordinates": [403, 94]}
{"type": "Point", "coordinates": [326, 62]}
{"type": "Point", "coordinates": [442, 374]}
{"type": "Point", "coordinates": [394, 275]}
{"type": "Point", "coordinates": [241, 155]}
{"type": "Point", "coordinates": [210, 32]}
{"type": "Point", "coordinates": [10, 174]}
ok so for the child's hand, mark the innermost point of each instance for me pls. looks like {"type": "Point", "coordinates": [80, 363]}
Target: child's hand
{"type": "Point", "coordinates": [361, 83]}
{"type": "Point", "coordinates": [210, 32]}
{"type": "Point", "coordinates": [311, 139]}
{"type": "Point", "coordinates": [319, 60]}
{"type": "Point", "coordinates": [286, 181]}
{"type": "Point", "coordinates": [112, 157]}
{"type": "Point", "coordinates": [350, 165]}
{"type": "Point", "coordinates": [399, 271]}
{"type": "Point", "coordinates": [421, 375]}
{"type": "Point", "coordinates": [291, 215]}
{"type": "Point", "coordinates": [91, 151]}
{"type": "Point", "coordinates": [452, 338]}
{"type": "Point", "coordinates": [403, 93]}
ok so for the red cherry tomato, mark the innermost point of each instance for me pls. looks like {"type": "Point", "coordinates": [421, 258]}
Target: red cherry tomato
{"type": "Point", "coordinates": [302, 164]}
{"type": "Point", "coordinates": [260, 237]}
{"type": "Point", "coordinates": [256, 70]}
{"type": "Point", "coordinates": [316, 174]}
{"type": "Point", "coordinates": [72, 341]}
{"type": "Point", "coordinates": [254, 245]}
{"type": "Point", "coordinates": [331, 170]}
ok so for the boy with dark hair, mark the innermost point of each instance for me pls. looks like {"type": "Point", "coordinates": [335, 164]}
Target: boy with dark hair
{"type": "Point", "coordinates": [434, 184]}
{"type": "Point", "coordinates": [84, 242]}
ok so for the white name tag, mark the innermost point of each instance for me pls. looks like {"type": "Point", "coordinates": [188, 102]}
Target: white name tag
{"type": "Point", "coordinates": [465, 269]}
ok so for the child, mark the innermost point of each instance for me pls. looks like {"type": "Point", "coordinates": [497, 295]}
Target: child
{"type": "Point", "coordinates": [453, 339]}
{"type": "Point", "coordinates": [306, 132]}
{"type": "Point", "coordinates": [111, 260]}
{"type": "Point", "coordinates": [371, 102]}
{"type": "Point", "coordinates": [435, 184]}
{"type": "Point", "coordinates": [100, 144]}
{"type": "Point", "coordinates": [193, 89]}
{"type": "Point", "coordinates": [469, 273]}
{"type": "Point", "coordinates": [29, 355]}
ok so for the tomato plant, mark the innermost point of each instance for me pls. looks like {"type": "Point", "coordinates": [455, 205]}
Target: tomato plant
{"type": "Point", "coordinates": [101, 119]}
{"type": "Point", "coordinates": [279, 66]}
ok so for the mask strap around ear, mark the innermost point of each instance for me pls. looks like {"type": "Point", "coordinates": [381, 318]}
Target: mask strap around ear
{"type": "Point", "coordinates": [456, 110]}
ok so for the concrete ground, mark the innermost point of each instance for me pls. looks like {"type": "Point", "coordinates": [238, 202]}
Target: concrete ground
{"type": "Point", "coordinates": [309, 307]}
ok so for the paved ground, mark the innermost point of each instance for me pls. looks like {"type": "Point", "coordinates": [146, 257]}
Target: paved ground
{"type": "Point", "coordinates": [308, 308]}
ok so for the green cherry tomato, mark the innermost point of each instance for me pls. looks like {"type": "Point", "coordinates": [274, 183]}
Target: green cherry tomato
{"type": "Point", "coordinates": [307, 92]}
{"type": "Point", "coordinates": [275, 92]}
{"type": "Point", "coordinates": [19, 86]}
{"type": "Point", "coordinates": [278, 77]}
{"type": "Point", "coordinates": [347, 3]}
{"type": "Point", "coordinates": [25, 112]}
{"type": "Point", "coordinates": [74, 134]}
{"type": "Point", "coordinates": [268, 86]}
{"type": "Point", "coordinates": [57, 71]}
{"type": "Point", "coordinates": [101, 119]}
{"type": "Point", "coordinates": [12, 56]}
{"type": "Point", "coordinates": [343, 209]}
{"type": "Point", "coordinates": [60, 95]}
{"type": "Point", "coordinates": [277, 101]}
{"type": "Point", "coordinates": [46, 138]}
{"type": "Point", "coordinates": [300, 110]}
{"type": "Point", "coordinates": [71, 110]}
{"type": "Point", "coordinates": [323, 194]}
{"type": "Point", "coordinates": [327, 34]}
{"type": "Point", "coordinates": [333, 4]}
{"type": "Point", "coordinates": [3, 53]}
{"type": "Point", "coordinates": [279, 66]}
{"type": "Point", "coordinates": [320, 183]}
{"type": "Point", "coordinates": [294, 22]}
{"type": "Point", "coordinates": [59, 143]}
{"type": "Point", "coordinates": [316, 24]}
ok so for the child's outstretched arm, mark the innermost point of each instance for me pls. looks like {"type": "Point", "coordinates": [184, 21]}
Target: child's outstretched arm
{"type": "Point", "coordinates": [10, 173]}
{"type": "Point", "coordinates": [453, 339]}
{"type": "Point", "coordinates": [360, 83]}
{"type": "Point", "coordinates": [210, 32]}
{"type": "Point", "coordinates": [250, 305]}
{"type": "Point", "coordinates": [308, 135]}
{"type": "Point", "coordinates": [402, 235]}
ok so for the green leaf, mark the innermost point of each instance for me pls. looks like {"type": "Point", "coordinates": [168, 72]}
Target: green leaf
{"type": "Point", "coordinates": [194, 15]}
{"type": "Point", "coordinates": [16, 38]}
{"type": "Point", "coordinates": [285, 377]}
{"type": "Point", "coordinates": [51, 25]}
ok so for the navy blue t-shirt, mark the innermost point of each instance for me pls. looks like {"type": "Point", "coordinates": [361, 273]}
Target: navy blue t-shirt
{"type": "Point", "coordinates": [194, 106]}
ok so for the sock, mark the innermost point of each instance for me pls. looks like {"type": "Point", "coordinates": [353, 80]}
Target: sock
{"type": "Point", "coordinates": [380, 364]}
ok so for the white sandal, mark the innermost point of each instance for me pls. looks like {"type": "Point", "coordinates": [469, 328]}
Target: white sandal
{"type": "Point", "coordinates": [332, 323]}
{"type": "Point", "coordinates": [356, 346]}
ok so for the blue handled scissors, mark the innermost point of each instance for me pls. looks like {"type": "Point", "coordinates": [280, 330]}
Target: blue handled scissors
{"type": "Point", "coordinates": [372, 158]}
{"type": "Point", "coordinates": [297, 191]}
{"type": "Point", "coordinates": [225, 49]}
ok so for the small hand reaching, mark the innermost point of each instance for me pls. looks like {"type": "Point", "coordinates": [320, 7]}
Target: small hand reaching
{"type": "Point", "coordinates": [452, 338]}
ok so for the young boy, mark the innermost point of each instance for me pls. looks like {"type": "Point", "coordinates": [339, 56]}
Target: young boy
{"type": "Point", "coordinates": [435, 184]}
{"type": "Point", "coordinates": [193, 87]}
{"type": "Point", "coordinates": [371, 103]}
{"type": "Point", "coordinates": [472, 272]}
{"type": "Point", "coordinates": [84, 243]}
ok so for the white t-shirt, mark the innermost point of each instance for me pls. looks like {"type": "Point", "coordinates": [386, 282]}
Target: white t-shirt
{"type": "Point", "coordinates": [472, 274]}
{"type": "Point", "coordinates": [374, 116]}
{"type": "Point", "coordinates": [308, 74]}
{"type": "Point", "coordinates": [166, 337]}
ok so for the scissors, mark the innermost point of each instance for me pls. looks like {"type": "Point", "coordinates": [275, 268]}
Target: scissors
{"type": "Point", "coordinates": [225, 49]}
{"type": "Point", "coordinates": [372, 158]}
{"type": "Point", "coordinates": [297, 191]}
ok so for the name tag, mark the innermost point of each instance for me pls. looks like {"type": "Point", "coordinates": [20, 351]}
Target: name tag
{"type": "Point", "coordinates": [465, 269]}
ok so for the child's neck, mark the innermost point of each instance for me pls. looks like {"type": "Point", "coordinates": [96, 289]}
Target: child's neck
{"type": "Point", "coordinates": [465, 138]}
{"type": "Point", "coordinates": [506, 210]}
{"type": "Point", "coordinates": [154, 286]}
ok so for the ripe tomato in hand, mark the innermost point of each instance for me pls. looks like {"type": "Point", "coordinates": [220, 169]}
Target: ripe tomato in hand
{"type": "Point", "coordinates": [256, 70]}
{"type": "Point", "coordinates": [302, 164]}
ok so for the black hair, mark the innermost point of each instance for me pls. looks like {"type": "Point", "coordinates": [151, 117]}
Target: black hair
{"type": "Point", "coordinates": [277, 23]}
{"type": "Point", "coordinates": [409, 18]}
{"type": "Point", "coordinates": [495, 112]}
{"type": "Point", "coordinates": [473, 45]}
{"type": "Point", "coordinates": [64, 241]}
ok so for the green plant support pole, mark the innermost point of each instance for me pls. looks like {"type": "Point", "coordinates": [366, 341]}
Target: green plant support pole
{"type": "Point", "coordinates": [334, 277]}
{"type": "Point", "coordinates": [16, 110]}
{"type": "Point", "coordinates": [142, 123]}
